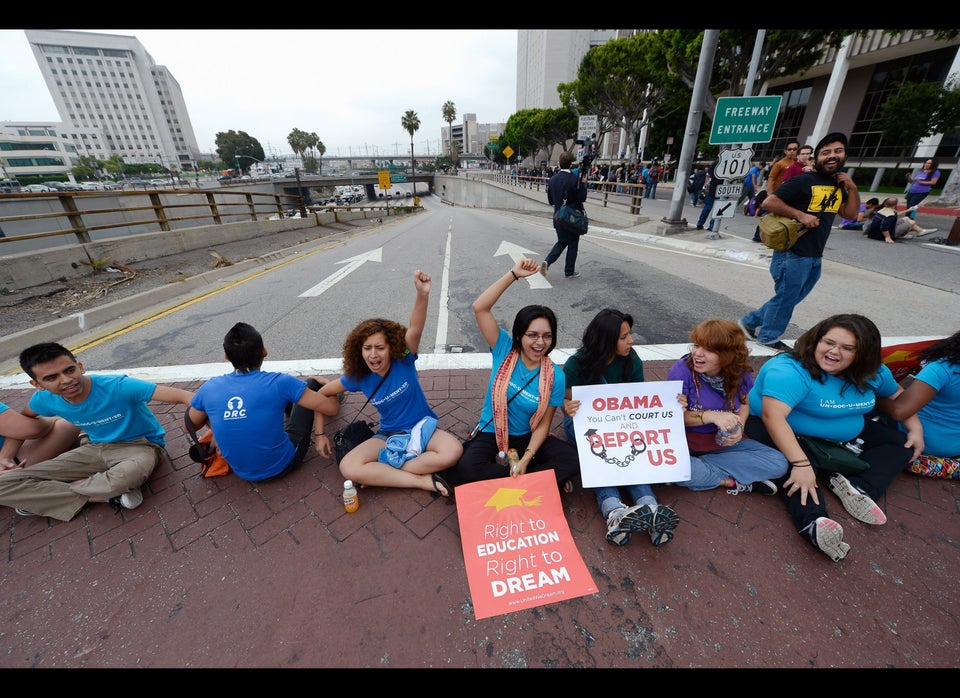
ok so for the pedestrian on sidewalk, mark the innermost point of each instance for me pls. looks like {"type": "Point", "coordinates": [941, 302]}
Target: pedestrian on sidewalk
{"type": "Point", "coordinates": [711, 196]}
{"type": "Point", "coordinates": [826, 388]}
{"type": "Point", "coordinates": [696, 182]}
{"type": "Point", "coordinates": [523, 394]}
{"type": "Point", "coordinates": [260, 441]}
{"type": "Point", "coordinates": [779, 168]}
{"type": "Point", "coordinates": [123, 439]}
{"type": "Point", "coordinates": [813, 199]}
{"type": "Point", "coordinates": [564, 187]}
{"type": "Point", "coordinates": [717, 377]}
{"type": "Point", "coordinates": [606, 355]}
{"type": "Point", "coordinates": [921, 182]}
{"type": "Point", "coordinates": [379, 358]}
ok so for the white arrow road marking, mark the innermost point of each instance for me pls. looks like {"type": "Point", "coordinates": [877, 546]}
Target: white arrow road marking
{"type": "Point", "coordinates": [352, 264]}
{"type": "Point", "coordinates": [516, 252]}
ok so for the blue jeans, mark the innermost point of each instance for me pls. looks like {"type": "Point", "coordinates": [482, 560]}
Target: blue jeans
{"type": "Point", "coordinates": [707, 208]}
{"type": "Point", "coordinates": [746, 462]}
{"type": "Point", "coordinates": [793, 279]}
{"type": "Point", "coordinates": [650, 191]}
{"type": "Point", "coordinates": [695, 198]}
{"type": "Point", "coordinates": [570, 241]}
{"type": "Point", "coordinates": [608, 498]}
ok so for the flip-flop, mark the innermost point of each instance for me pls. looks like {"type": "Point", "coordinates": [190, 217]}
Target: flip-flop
{"type": "Point", "coordinates": [437, 480]}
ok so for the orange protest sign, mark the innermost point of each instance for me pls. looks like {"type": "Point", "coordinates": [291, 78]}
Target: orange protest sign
{"type": "Point", "coordinates": [517, 546]}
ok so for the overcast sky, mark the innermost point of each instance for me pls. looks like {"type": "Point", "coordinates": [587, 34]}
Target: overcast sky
{"type": "Point", "coordinates": [349, 86]}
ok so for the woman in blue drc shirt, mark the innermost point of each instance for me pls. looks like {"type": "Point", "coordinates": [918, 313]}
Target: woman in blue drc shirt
{"type": "Point", "coordinates": [824, 388]}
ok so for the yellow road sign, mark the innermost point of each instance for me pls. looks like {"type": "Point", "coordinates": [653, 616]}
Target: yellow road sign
{"type": "Point", "coordinates": [508, 152]}
{"type": "Point", "coordinates": [383, 179]}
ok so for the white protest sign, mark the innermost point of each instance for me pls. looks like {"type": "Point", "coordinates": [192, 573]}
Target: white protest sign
{"type": "Point", "coordinates": [630, 433]}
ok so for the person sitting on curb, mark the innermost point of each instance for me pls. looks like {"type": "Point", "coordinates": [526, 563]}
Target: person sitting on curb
{"type": "Point", "coordinates": [887, 225]}
{"type": "Point", "coordinates": [28, 440]}
{"type": "Point", "coordinates": [246, 409]}
{"type": "Point", "coordinates": [864, 215]}
{"type": "Point", "coordinates": [123, 444]}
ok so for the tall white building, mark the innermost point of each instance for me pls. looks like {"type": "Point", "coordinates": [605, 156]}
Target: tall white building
{"type": "Point", "coordinates": [114, 99]}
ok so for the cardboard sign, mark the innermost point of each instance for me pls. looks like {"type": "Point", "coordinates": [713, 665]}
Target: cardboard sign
{"type": "Point", "coordinates": [517, 546]}
{"type": "Point", "coordinates": [630, 433]}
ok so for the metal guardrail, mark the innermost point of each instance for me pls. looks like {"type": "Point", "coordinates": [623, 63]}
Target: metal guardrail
{"type": "Point", "coordinates": [620, 194]}
{"type": "Point", "coordinates": [162, 211]}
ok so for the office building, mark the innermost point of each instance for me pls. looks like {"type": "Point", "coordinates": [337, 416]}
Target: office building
{"type": "Point", "coordinates": [113, 99]}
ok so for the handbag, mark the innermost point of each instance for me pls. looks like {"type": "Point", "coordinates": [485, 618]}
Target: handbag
{"type": "Point", "coordinates": [831, 456]}
{"type": "Point", "coordinates": [571, 220]}
{"type": "Point", "coordinates": [780, 233]}
{"type": "Point", "coordinates": [212, 463]}
{"type": "Point", "coordinates": [356, 432]}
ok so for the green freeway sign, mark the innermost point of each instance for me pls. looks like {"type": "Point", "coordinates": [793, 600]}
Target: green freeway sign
{"type": "Point", "coordinates": [398, 178]}
{"type": "Point", "coordinates": [744, 120]}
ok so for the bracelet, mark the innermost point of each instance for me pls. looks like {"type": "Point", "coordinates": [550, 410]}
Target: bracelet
{"type": "Point", "coordinates": [700, 415]}
{"type": "Point", "coordinates": [802, 466]}
{"type": "Point", "coordinates": [798, 462]}
{"type": "Point", "coordinates": [514, 275]}
{"type": "Point", "coordinates": [530, 450]}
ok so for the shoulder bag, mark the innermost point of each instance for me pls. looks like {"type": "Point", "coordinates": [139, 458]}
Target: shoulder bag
{"type": "Point", "coordinates": [780, 233]}
{"type": "Point", "coordinates": [477, 429]}
{"type": "Point", "coordinates": [356, 432]}
{"type": "Point", "coordinates": [212, 463]}
{"type": "Point", "coordinates": [831, 456]}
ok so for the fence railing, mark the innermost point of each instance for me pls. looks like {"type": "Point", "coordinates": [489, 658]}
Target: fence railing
{"type": "Point", "coordinates": [620, 194]}
{"type": "Point", "coordinates": [79, 214]}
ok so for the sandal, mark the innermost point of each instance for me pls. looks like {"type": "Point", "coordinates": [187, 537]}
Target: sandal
{"type": "Point", "coordinates": [439, 482]}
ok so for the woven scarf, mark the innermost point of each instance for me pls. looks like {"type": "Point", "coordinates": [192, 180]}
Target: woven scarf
{"type": "Point", "coordinates": [499, 397]}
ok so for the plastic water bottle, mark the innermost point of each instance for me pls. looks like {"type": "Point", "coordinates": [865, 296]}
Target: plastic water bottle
{"type": "Point", "coordinates": [502, 459]}
{"type": "Point", "coordinates": [856, 446]}
{"type": "Point", "coordinates": [721, 434]}
{"type": "Point", "coordinates": [514, 459]}
{"type": "Point", "coordinates": [351, 500]}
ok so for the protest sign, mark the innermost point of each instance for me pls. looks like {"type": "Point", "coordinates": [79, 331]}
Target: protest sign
{"type": "Point", "coordinates": [517, 546]}
{"type": "Point", "coordinates": [630, 433]}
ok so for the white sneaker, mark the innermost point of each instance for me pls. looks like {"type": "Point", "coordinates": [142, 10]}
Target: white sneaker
{"type": "Point", "coordinates": [906, 236]}
{"type": "Point", "coordinates": [127, 500]}
{"type": "Point", "coordinates": [827, 536]}
{"type": "Point", "coordinates": [856, 502]}
{"type": "Point", "coordinates": [926, 231]}
{"type": "Point", "coordinates": [617, 534]}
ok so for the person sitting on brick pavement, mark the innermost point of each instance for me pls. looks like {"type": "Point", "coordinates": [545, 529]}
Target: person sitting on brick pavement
{"type": "Point", "coordinates": [383, 351]}
{"type": "Point", "coordinates": [122, 444]}
{"type": "Point", "coordinates": [524, 391]}
{"type": "Point", "coordinates": [888, 225]}
{"type": "Point", "coordinates": [606, 355]}
{"type": "Point", "coordinates": [933, 395]}
{"type": "Point", "coordinates": [825, 388]}
{"type": "Point", "coordinates": [261, 441]}
{"type": "Point", "coordinates": [28, 440]}
{"type": "Point", "coordinates": [717, 377]}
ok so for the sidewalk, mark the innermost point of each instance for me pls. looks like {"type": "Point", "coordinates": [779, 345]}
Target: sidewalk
{"type": "Point", "coordinates": [223, 573]}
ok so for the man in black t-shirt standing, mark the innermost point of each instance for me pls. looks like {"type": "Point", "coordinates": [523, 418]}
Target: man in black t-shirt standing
{"type": "Point", "coordinates": [814, 199]}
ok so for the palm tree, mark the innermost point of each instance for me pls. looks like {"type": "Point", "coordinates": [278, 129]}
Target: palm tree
{"type": "Point", "coordinates": [449, 115]}
{"type": "Point", "coordinates": [322, 149]}
{"type": "Point", "coordinates": [411, 123]}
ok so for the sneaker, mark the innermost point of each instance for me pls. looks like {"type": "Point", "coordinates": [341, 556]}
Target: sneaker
{"type": "Point", "coordinates": [758, 487]}
{"type": "Point", "coordinates": [776, 346]}
{"type": "Point", "coordinates": [543, 268]}
{"type": "Point", "coordinates": [906, 236]}
{"type": "Point", "coordinates": [827, 537]}
{"type": "Point", "coordinates": [574, 275]}
{"type": "Point", "coordinates": [750, 334]}
{"type": "Point", "coordinates": [926, 231]}
{"type": "Point", "coordinates": [658, 521]}
{"type": "Point", "coordinates": [24, 512]}
{"type": "Point", "coordinates": [616, 532]}
{"type": "Point", "coordinates": [127, 500]}
{"type": "Point", "coordinates": [856, 501]}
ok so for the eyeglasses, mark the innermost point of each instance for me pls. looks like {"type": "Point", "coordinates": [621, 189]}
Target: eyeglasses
{"type": "Point", "coordinates": [842, 348]}
{"type": "Point", "coordinates": [791, 148]}
{"type": "Point", "coordinates": [533, 336]}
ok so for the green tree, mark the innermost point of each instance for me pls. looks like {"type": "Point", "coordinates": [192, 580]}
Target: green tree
{"type": "Point", "coordinates": [530, 131]}
{"type": "Point", "coordinates": [411, 124]}
{"type": "Point", "coordinates": [230, 144]}
{"type": "Point", "coordinates": [322, 150]}
{"type": "Point", "coordinates": [920, 110]}
{"type": "Point", "coordinates": [299, 142]}
{"type": "Point", "coordinates": [449, 115]}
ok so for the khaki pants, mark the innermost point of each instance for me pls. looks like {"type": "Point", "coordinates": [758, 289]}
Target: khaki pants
{"type": "Point", "coordinates": [60, 487]}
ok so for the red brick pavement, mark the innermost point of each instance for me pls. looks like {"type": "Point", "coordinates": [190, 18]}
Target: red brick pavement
{"type": "Point", "coordinates": [224, 573]}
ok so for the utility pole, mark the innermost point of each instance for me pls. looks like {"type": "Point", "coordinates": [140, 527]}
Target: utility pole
{"type": "Point", "coordinates": [689, 147]}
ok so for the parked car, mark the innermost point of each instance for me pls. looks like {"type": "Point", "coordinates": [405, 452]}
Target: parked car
{"type": "Point", "coordinates": [62, 186]}
{"type": "Point", "coordinates": [36, 188]}
{"type": "Point", "coordinates": [91, 186]}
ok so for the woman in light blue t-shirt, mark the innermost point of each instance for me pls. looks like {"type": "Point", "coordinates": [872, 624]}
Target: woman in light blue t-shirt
{"type": "Point", "coordinates": [825, 388]}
